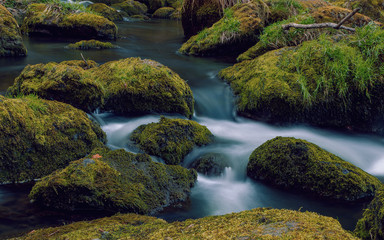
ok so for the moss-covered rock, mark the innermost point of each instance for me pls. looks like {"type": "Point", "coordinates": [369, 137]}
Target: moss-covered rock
{"type": "Point", "coordinates": [371, 8]}
{"type": "Point", "coordinates": [164, 12]}
{"type": "Point", "coordinates": [39, 136]}
{"type": "Point", "coordinates": [11, 43]}
{"type": "Point", "coordinates": [334, 83]}
{"type": "Point", "coordinates": [131, 7]}
{"type": "Point", "coordinates": [108, 2]}
{"type": "Point", "coordinates": [153, 5]}
{"type": "Point", "coordinates": [303, 166]}
{"type": "Point", "coordinates": [105, 11]}
{"type": "Point", "coordinates": [135, 85]}
{"type": "Point", "coordinates": [211, 164]}
{"type": "Point", "coordinates": [260, 223]}
{"type": "Point", "coordinates": [115, 181]}
{"type": "Point", "coordinates": [49, 19]}
{"type": "Point", "coordinates": [65, 82]}
{"type": "Point", "coordinates": [91, 44]}
{"type": "Point", "coordinates": [371, 225]}
{"type": "Point", "coordinates": [171, 139]}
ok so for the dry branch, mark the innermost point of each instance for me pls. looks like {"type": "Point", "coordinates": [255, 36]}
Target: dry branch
{"type": "Point", "coordinates": [324, 25]}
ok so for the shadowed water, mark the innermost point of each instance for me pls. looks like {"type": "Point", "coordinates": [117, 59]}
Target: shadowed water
{"type": "Point", "coordinates": [235, 137]}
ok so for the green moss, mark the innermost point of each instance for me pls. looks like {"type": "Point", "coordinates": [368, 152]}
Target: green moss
{"type": "Point", "coordinates": [135, 85]}
{"type": "Point", "coordinates": [371, 8]}
{"type": "Point", "coordinates": [50, 19]}
{"type": "Point", "coordinates": [164, 12]}
{"type": "Point", "coordinates": [171, 139]}
{"type": "Point", "coordinates": [39, 136]}
{"type": "Point", "coordinates": [11, 43]}
{"type": "Point", "coordinates": [303, 166]}
{"type": "Point", "coordinates": [212, 164]}
{"type": "Point", "coordinates": [153, 5]}
{"type": "Point", "coordinates": [105, 11]}
{"type": "Point", "coordinates": [131, 7]}
{"type": "Point", "coordinates": [370, 226]}
{"type": "Point", "coordinates": [260, 223]}
{"type": "Point", "coordinates": [115, 181]}
{"type": "Point", "coordinates": [64, 82]}
{"type": "Point", "coordinates": [91, 44]}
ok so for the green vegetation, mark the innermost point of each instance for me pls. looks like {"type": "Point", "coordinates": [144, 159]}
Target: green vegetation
{"type": "Point", "coordinates": [11, 43]}
{"type": "Point", "coordinates": [212, 164]}
{"type": "Point", "coordinates": [303, 166]}
{"type": "Point", "coordinates": [260, 223]}
{"type": "Point", "coordinates": [370, 226]}
{"type": "Point", "coordinates": [40, 136]}
{"type": "Point", "coordinates": [91, 44]}
{"type": "Point", "coordinates": [131, 7]}
{"type": "Point", "coordinates": [171, 139]}
{"type": "Point", "coordinates": [115, 181]}
{"type": "Point", "coordinates": [105, 11]}
{"type": "Point", "coordinates": [371, 8]}
{"type": "Point", "coordinates": [164, 12]}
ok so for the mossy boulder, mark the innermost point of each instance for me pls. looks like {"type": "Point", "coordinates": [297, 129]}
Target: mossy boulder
{"type": "Point", "coordinates": [371, 225]}
{"type": "Point", "coordinates": [164, 12]}
{"type": "Point", "coordinates": [11, 43]}
{"type": "Point", "coordinates": [131, 7]}
{"type": "Point", "coordinates": [303, 166]}
{"type": "Point", "coordinates": [116, 181]}
{"type": "Point", "coordinates": [49, 19]}
{"type": "Point", "coordinates": [106, 11]}
{"type": "Point", "coordinates": [135, 85]}
{"type": "Point", "coordinates": [328, 82]}
{"type": "Point", "coordinates": [260, 223]}
{"type": "Point", "coordinates": [371, 8]}
{"type": "Point", "coordinates": [108, 2]}
{"type": "Point", "coordinates": [171, 139]}
{"type": "Point", "coordinates": [65, 82]}
{"type": "Point", "coordinates": [211, 164]}
{"type": "Point", "coordinates": [39, 136]}
{"type": "Point", "coordinates": [91, 44]}
{"type": "Point", "coordinates": [153, 5]}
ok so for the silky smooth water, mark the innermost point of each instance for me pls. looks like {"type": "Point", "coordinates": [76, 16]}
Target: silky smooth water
{"type": "Point", "coordinates": [235, 137]}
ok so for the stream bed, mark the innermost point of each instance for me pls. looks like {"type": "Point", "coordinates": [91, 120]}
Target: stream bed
{"type": "Point", "coordinates": [236, 137]}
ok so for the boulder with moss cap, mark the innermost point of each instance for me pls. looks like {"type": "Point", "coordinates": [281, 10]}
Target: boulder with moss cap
{"type": "Point", "coordinates": [106, 11]}
{"type": "Point", "coordinates": [164, 12]}
{"type": "Point", "coordinates": [11, 43]}
{"type": "Point", "coordinates": [115, 181]}
{"type": "Point", "coordinates": [51, 20]}
{"type": "Point", "coordinates": [259, 223]}
{"type": "Point", "coordinates": [131, 7]}
{"type": "Point", "coordinates": [328, 82]}
{"type": "Point", "coordinates": [371, 225]}
{"type": "Point", "coordinates": [39, 136]}
{"type": "Point", "coordinates": [171, 139]}
{"type": "Point", "coordinates": [91, 44]}
{"type": "Point", "coordinates": [303, 166]}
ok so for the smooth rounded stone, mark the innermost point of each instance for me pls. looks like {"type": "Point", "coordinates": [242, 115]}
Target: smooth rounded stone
{"type": "Point", "coordinates": [211, 164]}
{"type": "Point", "coordinates": [114, 181]}
{"type": "Point", "coordinates": [259, 223]}
{"type": "Point", "coordinates": [49, 20]}
{"type": "Point", "coordinates": [39, 136]}
{"type": "Point", "coordinates": [302, 166]}
{"type": "Point", "coordinates": [11, 42]}
{"type": "Point", "coordinates": [171, 139]}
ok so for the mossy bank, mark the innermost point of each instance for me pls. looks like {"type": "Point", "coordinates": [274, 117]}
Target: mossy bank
{"type": "Point", "coordinates": [299, 165]}
{"type": "Point", "coordinates": [39, 136]}
{"type": "Point", "coordinates": [260, 223]}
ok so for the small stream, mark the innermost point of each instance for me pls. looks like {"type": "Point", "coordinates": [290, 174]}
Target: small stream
{"type": "Point", "coordinates": [236, 137]}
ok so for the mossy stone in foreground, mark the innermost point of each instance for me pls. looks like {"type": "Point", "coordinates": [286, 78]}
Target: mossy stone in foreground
{"type": "Point", "coordinates": [135, 85]}
{"type": "Point", "coordinates": [65, 82]}
{"type": "Point", "coordinates": [39, 136]}
{"type": "Point", "coordinates": [115, 181]}
{"type": "Point", "coordinates": [303, 166]}
{"type": "Point", "coordinates": [11, 43]}
{"type": "Point", "coordinates": [91, 44]}
{"type": "Point", "coordinates": [260, 223]}
{"type": "Point", "coordinates": [48, 19]}
{"type": "Point", "coordinates": [106, 11]}
{"type": "Point", "coordinates": [371, 225]}
{"type": "Point", "coordinates": [171, 139]}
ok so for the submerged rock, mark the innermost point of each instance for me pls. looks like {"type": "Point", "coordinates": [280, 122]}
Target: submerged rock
{"type": "Point", "coordinates": [106, 11]}
{"type": "Point", "coordinates": [371, 225]}
{"type": "Point", "coordinates": [303, 166]}
{"type": "Point", "coordinates": [11, 43]}
{"type": "Point", "coordinates": [91, 44]}
{"type": "Point", "coordinates": [115, 181]}
{"type": "Point", "coordinates": [259, 223]}
{"type": "Point", "coordinates": [334, 83]}
{"type": "Point", "coordinates": [171, 139]}
{"type": "Point", "coordinates": [211, 164]}
{"type": "Point", "coordinates": [51, 20]}
{"type": "Point", "coordinates": [39, 136]}
{"type": "Point", "coordinates": [131, 7]}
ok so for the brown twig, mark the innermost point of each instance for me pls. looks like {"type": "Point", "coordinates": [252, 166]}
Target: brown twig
{"type": "Point", "coordinates": [84, 60]}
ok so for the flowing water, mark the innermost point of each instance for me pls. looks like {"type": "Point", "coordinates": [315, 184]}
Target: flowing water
{"type": "Point", "coordinates": [236, 137]}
